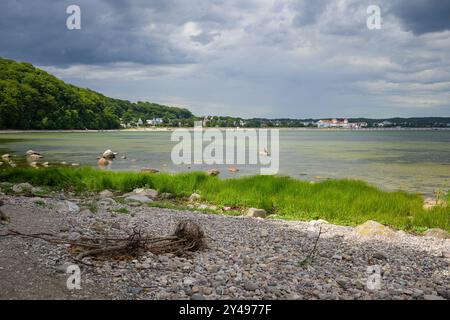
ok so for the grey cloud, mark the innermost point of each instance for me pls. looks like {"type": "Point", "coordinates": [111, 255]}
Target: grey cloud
{"type": "Point", "coordinates": [423, 16]}
{"type": "Point", "coordinates": [112, 31]}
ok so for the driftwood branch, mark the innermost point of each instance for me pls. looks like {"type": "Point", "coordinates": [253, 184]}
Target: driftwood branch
{"type": "Point", "coordinates": [188, 236]}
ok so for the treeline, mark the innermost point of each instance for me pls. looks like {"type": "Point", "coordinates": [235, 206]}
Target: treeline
{"type": "Point", "coordinates": [31, 98]}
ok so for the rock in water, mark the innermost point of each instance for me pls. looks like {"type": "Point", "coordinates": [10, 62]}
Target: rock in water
{"type": "Point", "coordinates": [256, 213]}
{"type": "Point", "coordinates": [108, 154]}
{"type": "Point", "coordinates": [103, 162]}
{"type": "Point", "coordinates": [373, 229]}
{"type": "Point", "coordinates": [149, 170]}
{"type": "Point", "coordinates": [437, 233]}
{"type": "Point", "coordinates": [213, 172]}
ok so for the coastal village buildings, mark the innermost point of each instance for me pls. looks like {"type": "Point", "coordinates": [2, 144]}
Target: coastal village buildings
{"type": "Point", "coordinates": [335, 123]}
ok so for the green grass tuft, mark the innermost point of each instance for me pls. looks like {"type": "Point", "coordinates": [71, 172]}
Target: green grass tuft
{"type": "Point", "coordinates": [347, 202]}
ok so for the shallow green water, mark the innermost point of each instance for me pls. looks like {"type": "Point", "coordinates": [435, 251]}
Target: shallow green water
{"type": "Point", "coordinates": [416, 161]}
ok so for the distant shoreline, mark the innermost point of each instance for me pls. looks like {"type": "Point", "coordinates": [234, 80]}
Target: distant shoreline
{"type": "Point", "coordinates": [169, 129]}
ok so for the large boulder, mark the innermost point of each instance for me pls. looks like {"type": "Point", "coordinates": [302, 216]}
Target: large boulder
{"type": "Point", "coordinates": [69, 206]}
{"type": "Point", "coordinates": [106, 194]}
{"type": "Point", "coordinates": [22, 187]}
{"type": "Point", "coordinates": [372, 228]}
{"type": "Point", "coordinates": [137, 199]}
{"type": "Point", "coordinates": [106, 202]}
{"type": "Point", "coordinates": [194, 197]}
{"type": "Point", "coordinates": [256, 213]}
{"type": "Point", "coordinates": [437, 233]}
{"type": "Point", "coordinates": [151, 193]}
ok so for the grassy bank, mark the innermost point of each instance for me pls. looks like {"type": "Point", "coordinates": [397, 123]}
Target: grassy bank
{"type": "Point", "coordinates": [348, 202]}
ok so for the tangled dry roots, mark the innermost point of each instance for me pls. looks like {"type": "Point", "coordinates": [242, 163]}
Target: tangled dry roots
{"type": "Point", "coordinates": [191, 233]}
{"type": "Point", "coordinates": [188, 237]}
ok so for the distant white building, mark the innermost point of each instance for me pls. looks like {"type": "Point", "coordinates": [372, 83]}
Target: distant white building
{"type": "Point", "coordinates": [139, 122]}
{"type": "Point", "coordinates": [154, 121]}
{"type": "Point", "coordinates": [384, 124]}
{"type": "Point", "coordinates": [334, 123]}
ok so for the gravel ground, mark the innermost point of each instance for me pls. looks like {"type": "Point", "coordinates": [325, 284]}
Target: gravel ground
{"type": "Point", "coordinates": [246, 258]}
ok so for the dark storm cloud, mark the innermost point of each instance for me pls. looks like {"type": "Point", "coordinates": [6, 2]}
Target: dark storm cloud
{"type": "Point", "coordinates": [112, 31]}
{"type": "Point", "coordinates": [309, 11]}
{"type": "Point", "coordinates": [423, 16]}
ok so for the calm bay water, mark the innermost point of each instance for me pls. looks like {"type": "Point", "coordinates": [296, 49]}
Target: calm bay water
{"type": "Point", "coordinates": [417, 161]}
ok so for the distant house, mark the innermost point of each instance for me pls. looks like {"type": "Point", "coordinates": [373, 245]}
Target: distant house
{"type": "Point", "coordinates": [384, 124]}
{"type": "Point", "coordinates": [139, 122]}
{"type": "Point", "coordinates": [154, 121]}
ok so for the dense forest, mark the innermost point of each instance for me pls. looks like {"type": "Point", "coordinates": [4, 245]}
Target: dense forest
{"type": "Point", "coordinates": [30, 98]}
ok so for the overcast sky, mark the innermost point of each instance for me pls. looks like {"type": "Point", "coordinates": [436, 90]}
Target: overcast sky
{"type": "Point", "coordinates": [249, 58]}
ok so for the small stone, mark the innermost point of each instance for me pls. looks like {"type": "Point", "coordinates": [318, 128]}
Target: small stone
{"type": "Point", "coordinates": [195, 289]}
{"type": "Point", "coordinates": [417, 293]}
{"type": "Point", "coordinates": [250, 286]}
{"type": "Point", "coordinates": [264, 233]}
{"type": "Point", "coordinates": [380, 255]}
{"type": "Point", "coordinates": [197, 296]}
{"type": "Point", "coordinates": [188, 281]}
{"type": "Point", "coordinates": [134, 290]}
{"type": "Point", "coordinates": [73, 236]}
{"type": "Point", "coordinates": [446, 253]}
{"type": "Point", "coordinates": [207, 291]}
{"type": "Point", "coordinates": [445, 293]}
{"type": "Point", "coordinates": [256, 213]}
{"type": "Point", "coordinates": [115, 225]}
{"type": "Point", "coordinates": [337, 257]}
